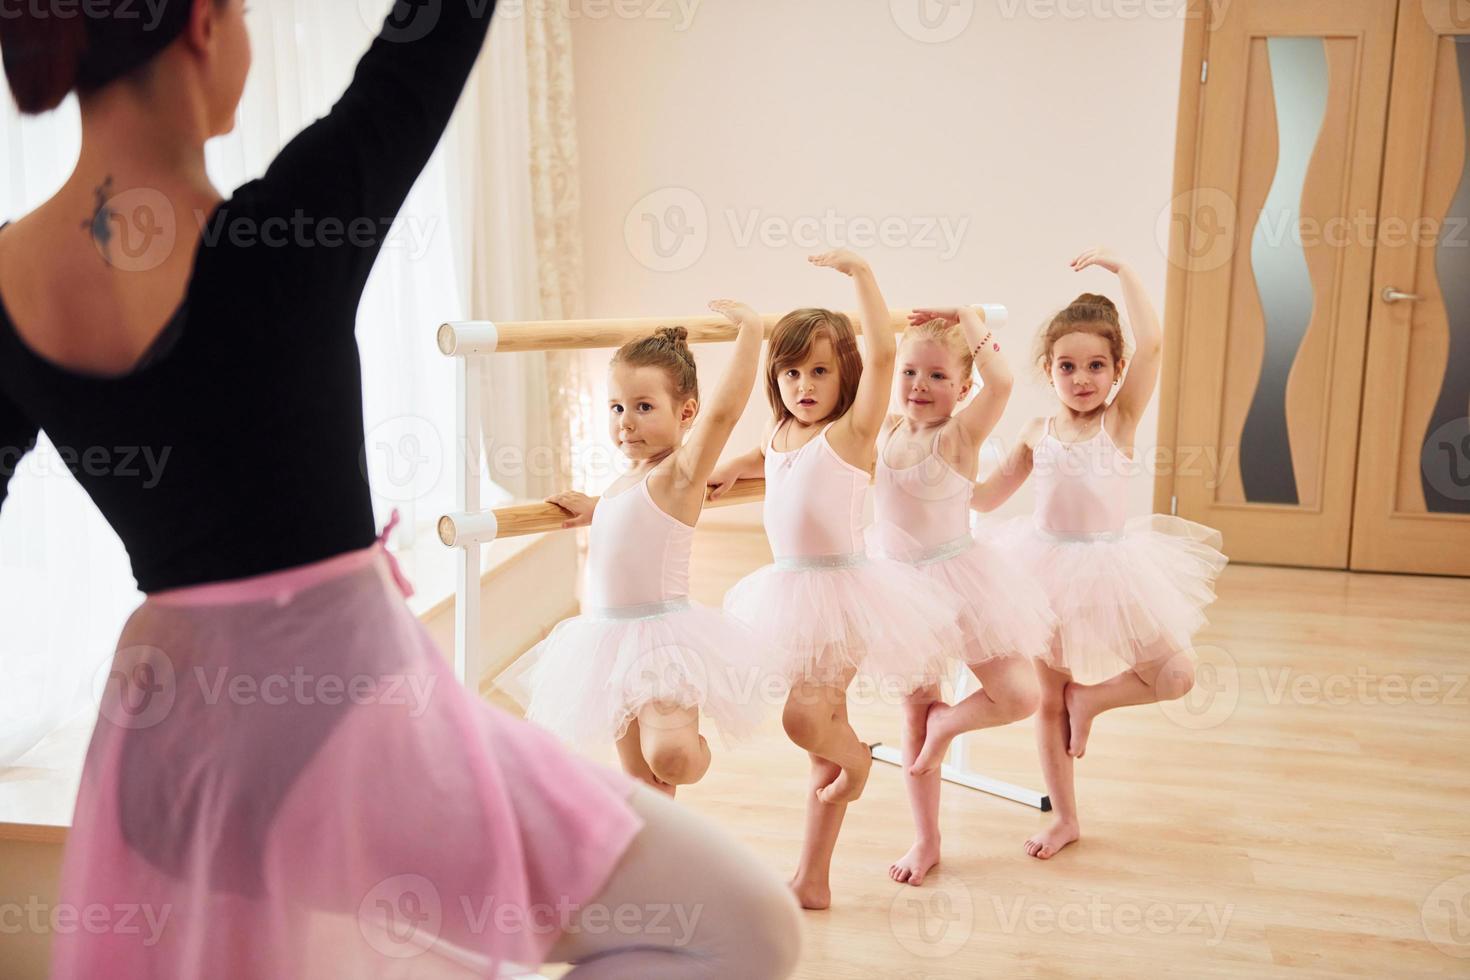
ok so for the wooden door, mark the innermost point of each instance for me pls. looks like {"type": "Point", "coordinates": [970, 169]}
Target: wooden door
{"type": "Point", "coordinates": [1413, 486]}
{"type": "Point", "coordinates": [1269, 255]}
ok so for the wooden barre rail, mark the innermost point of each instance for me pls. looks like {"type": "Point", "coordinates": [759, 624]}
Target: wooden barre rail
{"type": "Point", "coordinates": [478, 337]}
{"type": "Point", "coordinates": [518, 520]}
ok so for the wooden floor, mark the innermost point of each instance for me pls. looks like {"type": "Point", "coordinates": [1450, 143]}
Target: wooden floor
{"type": "Point", "coordinates": [1305, 812]}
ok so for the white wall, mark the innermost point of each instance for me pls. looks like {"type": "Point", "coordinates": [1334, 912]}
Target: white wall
{"type": "Point", "coordinates": [1041, 128]}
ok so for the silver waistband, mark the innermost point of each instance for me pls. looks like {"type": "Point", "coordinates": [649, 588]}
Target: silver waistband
{"type": "Point", "coordinates": [646, 610]}
{"type": "Point", "coordinates": [791, 563]}
{"type": "Point", "coordinates": [941, 552]}
{"type": "Point", "coordinates": [1081, 535]}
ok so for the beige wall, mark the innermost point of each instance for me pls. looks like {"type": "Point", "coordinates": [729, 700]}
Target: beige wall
{"type": "Point", "coordinates": [1032, 134]}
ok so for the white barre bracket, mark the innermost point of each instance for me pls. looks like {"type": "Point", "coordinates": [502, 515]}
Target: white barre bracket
{"type": "Point", "coordinates": [465, 530]}
{"type": "Point", "coordinates": [469, 338]}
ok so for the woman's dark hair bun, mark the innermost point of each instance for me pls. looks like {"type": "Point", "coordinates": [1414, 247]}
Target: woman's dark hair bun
{"type": "Point", "coordinates": [43, 54]}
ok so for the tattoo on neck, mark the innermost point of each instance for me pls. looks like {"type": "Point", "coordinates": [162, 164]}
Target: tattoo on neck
{"type": "Point", "coordinates": [99, 226]}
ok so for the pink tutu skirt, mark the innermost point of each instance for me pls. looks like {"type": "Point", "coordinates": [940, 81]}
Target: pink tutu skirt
{"type": "Point", "coordinates": [1123, 599]}
{"type": "Point", "coordinates": [828, 615]}
{"type": "Point", "coordinates": [287, 780]}
{"type": "Point", "coordinates": [589, 678]}
{"type": "Point", "coordinates": [1003, 610]}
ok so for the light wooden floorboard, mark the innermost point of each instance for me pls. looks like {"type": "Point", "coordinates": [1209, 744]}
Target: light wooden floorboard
{"type": "Point", "coordinates": [1303, 813]}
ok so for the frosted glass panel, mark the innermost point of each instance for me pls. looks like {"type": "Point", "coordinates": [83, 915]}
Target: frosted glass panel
{"type": "Point", "coordinates": [1445, 456]}
{"type": "Point", "coordinates": [1299, 89]}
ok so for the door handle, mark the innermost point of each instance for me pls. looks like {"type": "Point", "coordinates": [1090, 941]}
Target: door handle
{"type": "Point", "coordinates": [1391, 295]}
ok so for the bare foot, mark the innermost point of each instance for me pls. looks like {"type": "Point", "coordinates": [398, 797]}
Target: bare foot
{"type": "Point", "coordinates": [848, 785]}
{"type": "Point", "coordinates": [918, 862]}
{"type": "Point", "coordinates": [937, 737]}
{"type": "Point", "coordinates": [1079, 717]}
{"type": "Point", "coordinates": [813, 895]}
{"type": "Point", "coordinates": [1052, 839]}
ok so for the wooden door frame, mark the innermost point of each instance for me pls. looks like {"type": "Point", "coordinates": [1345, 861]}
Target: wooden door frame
{"type": "Point", "coordinates": [1176, 284]}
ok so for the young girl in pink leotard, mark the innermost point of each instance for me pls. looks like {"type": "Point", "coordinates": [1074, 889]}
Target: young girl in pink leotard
{"type": "Point", "coordinates": [926, 470]}
{"type": "Point", "coordinates": [1129, 595]}
{"type": "Point", "coordinates": [824, 603]}
{"type": "Point", "coordinates": [643, 661]}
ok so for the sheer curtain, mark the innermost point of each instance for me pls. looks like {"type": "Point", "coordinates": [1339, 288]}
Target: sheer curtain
{"type": "Point", "coordinates": [516, 173]}
{"type": "Point", "coordinates": [470, 242]}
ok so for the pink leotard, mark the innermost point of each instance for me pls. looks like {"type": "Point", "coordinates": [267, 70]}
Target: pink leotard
{"type": "Point", "coordinates": [929, 501]}
{"type": "Point", "coordinates": [1081, 489]}
{"type": "Point", "coordinates": [814, 501]}
{"type": "Point", "coordinates": [631, 526]}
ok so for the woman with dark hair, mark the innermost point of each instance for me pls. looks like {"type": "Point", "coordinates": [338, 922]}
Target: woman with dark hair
{"type": "Point", "coordinates": [285, 779]}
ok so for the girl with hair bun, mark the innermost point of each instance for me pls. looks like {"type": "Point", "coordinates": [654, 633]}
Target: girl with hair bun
{"type": "Point", "coordinates": [1128, 594]}
{"type": "Point", "coordinates": [643, 662]}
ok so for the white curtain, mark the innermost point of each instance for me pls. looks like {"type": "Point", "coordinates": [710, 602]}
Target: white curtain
{"type": "Point", "coordinates": [516, 174]}
{"type": "Point", "coordinates": [466, 245]}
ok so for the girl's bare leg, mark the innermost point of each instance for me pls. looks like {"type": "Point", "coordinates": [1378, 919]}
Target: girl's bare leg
{"type": "Point", "coordinates": [816, 719]}
{"type": "Point", "coordinates": [1161, 675]}
{"type": "Point", "coordinates": [1007, 693]}
{"type": "Point", "coordinates": [671, 745]}
{"type": "Point", "coordinates": [923, 788]}
{"type": "Point", "coordinates": [1052, 733]}
{"type": "Point", "coordinates": [630, 754]}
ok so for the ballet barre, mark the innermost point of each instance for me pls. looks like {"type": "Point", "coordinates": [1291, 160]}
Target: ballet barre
{"type": "Point", "coordinates": [518, 520]}
{"type": "Point", "coordinates": [477, 338]}
{"type": "Point", "coordinates": [471, 527]}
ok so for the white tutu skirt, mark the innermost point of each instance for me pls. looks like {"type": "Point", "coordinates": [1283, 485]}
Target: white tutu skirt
{"type": "Point", "coordinates": [1122, 600]}
{"type": "Point", "coordinates": [1004, 612]}
{"type": "Point", "coordinates": [589, 678]}
{"type": "Point", "coordinates": [874, 615]}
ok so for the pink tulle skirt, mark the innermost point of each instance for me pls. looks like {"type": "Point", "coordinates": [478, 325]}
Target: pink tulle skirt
{"type": "Point", "coordinates": [1121, 599]}
{"type": "Point", "coordinates": [1003, 610]}
{"type": "Point", "coordinates": [882, 618]}
{"type": "Point", "coordinates": [287, 780]}
{"type": "Point", "coordinates": [589, 678]}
